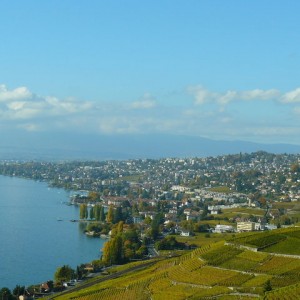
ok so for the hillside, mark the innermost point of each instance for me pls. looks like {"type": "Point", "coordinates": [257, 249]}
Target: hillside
{"type": "Point", "coordinates": [219, 270]}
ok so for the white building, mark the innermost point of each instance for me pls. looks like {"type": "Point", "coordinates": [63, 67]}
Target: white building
{"type": "Point", "coordinates": [223, 228]}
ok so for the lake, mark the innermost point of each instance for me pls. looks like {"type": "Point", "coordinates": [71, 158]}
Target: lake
{"type": "Point", "coordinates": [33, 242]}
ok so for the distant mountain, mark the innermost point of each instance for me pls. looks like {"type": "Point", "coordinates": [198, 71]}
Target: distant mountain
{"type": "Point", "coordinates": [95, 147]}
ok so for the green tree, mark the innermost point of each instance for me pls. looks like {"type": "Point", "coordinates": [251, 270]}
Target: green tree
{"type": "Point", "coordinates": [102, 214]}
{"type": "Point", "coordinates": [110, 214]}
{"type": "Point", "coordinates": [135, 210]}
{"type": "Point", "coordinates": [80, 271]}
{"type": "Point", "coordinates": [118, 216]}
{"type": "Point", "coordinates": [5, 294]}
{"type": "Point", "coordinates": [117, 250]}
{"type": "Point", "coordinates": [92, 213]}
{"type": "Point", "coordinates": [147, 220]}
{"type": "Point", "coordinates": [295, 168]}
{"type": "Point", "coordinates": [267, 286]}
{"type": "Point", "coordinates": [18, 290]}
{"type": "Point", "coordinates": [83, 211]}
{"type": "Point", "coordinates": [64, 273]}
{"type": "Point", "coordinates": [93, 196]}
{"type": "Point", "coordinates": [97, 210]}
{"type": "Point", "coordinates": [120, 227]}
{"type": "Point", "coordinates": [107, 255]}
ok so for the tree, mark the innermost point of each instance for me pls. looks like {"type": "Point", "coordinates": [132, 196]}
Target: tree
{"type": "Point", "coordinates": [120, 227]}
{"type": "Point", "coordinates": [110, 214]}
{"type": "Point", "coordinates": [80, 271]}
{"type": "Point", "coordinates": [93, 196]}
{"type": "Point", "coordinates": [118, 216]}
{"type": "Point", "coordinates": [117, 249]}
{"type": "Point", "coordinates": [64, 273]}
{"type": "Point", "coordinates": [295, 168]}
{"type": "Point", "coordinates": [97, 212]}
{"type": "Point", "coordinates": [169, 243]}
{"type": "Point", "coordinates": [92, 213]}
{"type": "Point", "coordinates": [83, 211]}
{"type": "Point", "coordinates": [102, 214]}
{"type": "Point", "coordinates": [5, 294]}
{"type": "Point", "coordinates": [18, 290]}
{"type": "Point", "coordinates": [106, 255]}
{"type": "Point", "coordinates": [147, 220]}
{"type": "Point", "coordinates": [267, 286]}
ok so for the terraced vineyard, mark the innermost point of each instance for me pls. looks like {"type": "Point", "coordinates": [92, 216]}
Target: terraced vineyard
{"type": "Point", "coordinates": [285, 241]}
{"type": "Point", "coordinates": [287, 293]}
{"type": "Point", "coordinates": [215, 271]}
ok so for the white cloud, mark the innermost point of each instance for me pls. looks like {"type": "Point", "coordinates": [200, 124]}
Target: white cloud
{"type": "Point", "coordinates": [16, 94]}
{"type": "Point", "coordinates": [30, 127]}
{"type": "Point", "coordinates": [67, 106]}
{"type": "Point", "coordinates": [291, 97]}
{"type": "Point", "coordinates": [258, 94]}
{"type": "Point", "coordinates": [202, 95]}
{"type": "Point", "coordinates": [16, 105]}
{"type": "Point", "coordinates": [146, 102]}
{"type": "Point", "coordinates": [21, 108]}
{"type": "Point", "coordinates": [20, 103]}
{"type": "Point", "coordinates": [120, 125]}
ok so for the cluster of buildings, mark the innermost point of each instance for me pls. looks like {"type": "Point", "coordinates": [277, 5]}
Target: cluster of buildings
{"type": "Point", "coordinates": [189, 187]}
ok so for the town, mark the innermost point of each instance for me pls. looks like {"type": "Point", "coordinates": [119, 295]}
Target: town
{"type": "Point", "coordinates": [241, 189]}
{"type": "Point", "coordinates": [145, 207]}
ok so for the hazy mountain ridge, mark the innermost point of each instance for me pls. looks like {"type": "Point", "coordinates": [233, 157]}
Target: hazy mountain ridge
{"type": "Point", "coordinates": [92, 147]}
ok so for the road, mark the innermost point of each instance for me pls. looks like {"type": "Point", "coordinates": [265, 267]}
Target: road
{"type": "Point", "coordinates": [87, 284]}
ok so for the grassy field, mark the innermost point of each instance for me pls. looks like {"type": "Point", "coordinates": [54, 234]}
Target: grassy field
{"type": "Point", "coordinates": [221, 189]}
{"type": "Point", "coordinates": [202, 239]}
{"type": "Point", "coordinates": [286, 205]}
{"type": "Point", "coordinates": [214, 270]}
{"type": "Point", "coordinates": [242, 212]}
{"type": "Point", "coordinates": [132, 178]}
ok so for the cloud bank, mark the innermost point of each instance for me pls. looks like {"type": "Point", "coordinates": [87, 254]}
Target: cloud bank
{"type": "Point", "coordinates": [202, 95]}
{"type": "Point", "coordinates": [256, 115]}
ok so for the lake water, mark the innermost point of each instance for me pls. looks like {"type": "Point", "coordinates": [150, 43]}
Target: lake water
{"type": "Point", "coordinates": [33, 242]}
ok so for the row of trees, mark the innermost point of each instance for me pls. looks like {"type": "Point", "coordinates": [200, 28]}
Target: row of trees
{"type": "Point", "coordinates": [94, 213]}
{"type": "Point", "coordinates": [114, 215]}
{"type": "Point", "coordinates": [7, 294]}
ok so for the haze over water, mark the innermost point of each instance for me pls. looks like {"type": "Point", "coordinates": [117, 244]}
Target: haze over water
{"type": "Point", "coordinates": [33, 243]}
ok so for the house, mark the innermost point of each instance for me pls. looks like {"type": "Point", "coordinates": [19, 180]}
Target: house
{"type": "Point", "coordinates": [46, 287]}
{"type": "Point", "coordinates": [137, 219]}
{"type": "Point", "coordinates": [170, 217]}
{"type": "Point", "coordinates": [187, 211]}
{"type": "Point", "coordinates": [223, 228]}
{"type": "Point", "coordinates": [245, 226]}
{"type": "Point", "coordinates": [270, 226]}
{"type": "Point", "coordinates": [25, 297]}
{"type": "Point", "coordinates": [185, 233]}
{"type": "Point", "coordinates": [146, 214]}
{"type": "Point", "coordinates": [194, 215]}
{"type": "Point", "coordinates": [89, 268]}
{"type": "Point", "coordinates": [259, 226]}
{"type": "Point", "coordinates": [117, 201]}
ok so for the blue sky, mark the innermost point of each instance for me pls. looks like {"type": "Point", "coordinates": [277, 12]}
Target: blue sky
{"type": "Point", "coordinates": [218, 69]}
